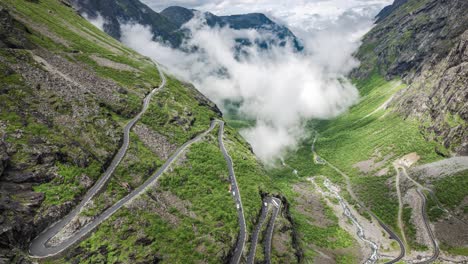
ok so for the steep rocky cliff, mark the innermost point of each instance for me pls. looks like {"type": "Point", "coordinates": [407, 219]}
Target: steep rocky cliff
{"type": "Point", "coordinates": [166, 26]}
{"type": "Point", "coordinates": [424, 42]}
{"type": "Point", "coordinates": [67, 90]}
{"type": "Point", "coordinates": [258, 21]}
{"type": "Point", "coordinates": [128, 11]}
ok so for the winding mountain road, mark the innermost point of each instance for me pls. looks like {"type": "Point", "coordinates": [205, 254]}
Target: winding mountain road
{"type": "Point", "coordinates": [400, 205]}
{"type": "Point", "coordinates": [432, 194]}
{"type": "Point", "coordinates": [271, 227]}
{"type": "Point", "coordinates": [256, 232]}
{"type": "Point", "coordinates": [237, 255]}
{"type": "Point", "coordinates": [275, 204]}
{"type": "Point", "coordinates": [435, 246]}
{"type": "Point", "coordinates": [420, 187]}
{"type": "Point", "coordinates": [39, 247]}
{"type": "Point", "coordinates": [387, 229]}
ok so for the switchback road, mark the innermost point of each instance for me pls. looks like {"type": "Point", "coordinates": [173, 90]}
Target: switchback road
{"type": "Point", "coordinates": [275, 204]}
{"type": "Point", "coordinates": [237, 255]}
{"type": "Point", "coordinates": [39, 247]}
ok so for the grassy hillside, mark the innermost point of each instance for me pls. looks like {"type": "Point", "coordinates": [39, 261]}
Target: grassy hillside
{"type": "Point", "coordinates": [369, 130]}
{"type": "Point", "coordinates": [67, 91]}
{"type": "Point", "coordinates": [189, 214]}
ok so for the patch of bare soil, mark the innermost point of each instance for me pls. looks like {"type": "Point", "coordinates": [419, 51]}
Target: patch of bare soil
{"type": "Point", "coordinates": [451, 232]}
{"type": "Point", "coordinates": [162, 203]}
{"type": "Point", "coordinates": [309, 204]}
{"type": "Point", "coordinates": [282, 245]}
{"type": "Point", "coordinates": [112, 64]}
{"type": "Point", "coordinates": [382, 172]}
{"type": "Point", "coordinates": [41, 29]}
{"type": "Point", "coordinates": [414, 201]}
{"type": "Point", "coordinates": [409, 159]}
{"type": "Point", "coordinates": [372, 230]}
{"type": "Point", "coordinates": [375, 163]}
{"type": "Point", "coordinates": [156, 142]}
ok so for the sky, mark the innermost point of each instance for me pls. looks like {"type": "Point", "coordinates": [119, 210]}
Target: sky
{"type": "Point", "coordinates": [280, 89]}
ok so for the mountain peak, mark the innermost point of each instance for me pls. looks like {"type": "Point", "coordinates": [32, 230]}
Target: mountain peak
{"type": "Point", "coordinates": [178, 15]}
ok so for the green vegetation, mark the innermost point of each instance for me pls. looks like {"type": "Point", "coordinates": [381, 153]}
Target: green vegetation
{"type": "Point", "coordinates": [204, 181]}
{"type": "Point", "coordinates": [67, 187]}
{"type": "Point", "coordinates": [251, 177]}
{"type": "Point", "coordinates": [366, 129]}
{"type": "Point", "coordinates": [458, 186]}
{"type": "Point", "coordinates": [148, 77]}
{"type": "Point", "coordinates": [332, 236]}
{"type": "Point", "coordinates": [433, 211]}
{"type": "Point", "coordinates": [377, 195]}
{"type": "Point", "coordinates": [136, 167]}
{"type": "Point", "coordinates": [200, 222]}
{"type": "Point", "coordinates": [462, 251]}
{"type": "Point", "coordinates": [179, 112]}
{"type": "Point", "coordinates": [66, 28]}
{"type": "Point", "coordinates": [410, 230]}
{"type": "Point", "coordinates": [346, 259]}
{"type": "Point", "coordinates": [355, 136]}
{"type": "Point", "coordinates": [454, 120]}
{"type": "Point", "coordinates": [19, 112]}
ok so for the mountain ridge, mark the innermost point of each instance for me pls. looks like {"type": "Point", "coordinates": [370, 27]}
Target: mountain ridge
{"type": "Point", "coordinates": [68, 90]}
{"type": "Point", "coordinates": [166, 26]}
{"type": "Point", "coordinates": [425, 45]}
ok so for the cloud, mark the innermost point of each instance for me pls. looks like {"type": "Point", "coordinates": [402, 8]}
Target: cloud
{"type": "Point", "coordinates": [98, 21]}
{"type": "Point", "coordinates": [280, 89]}
{"type": "Point", "coordinates": [291, 10]}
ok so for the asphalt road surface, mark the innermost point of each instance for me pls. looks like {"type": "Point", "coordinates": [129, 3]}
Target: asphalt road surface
{"type": "Point", "coordinates": [39, 247]}
{"type": "Point", "coordinates": [276, 204]}
{"type": "Point", "coordinates": [257, 230]}
{"type": "Point", "coordinates": [387, 229]}
{"type": "Point", "coordinates": [237, 255]}
{"type": "Point", "coordinates": [435, 246]}
{"type": "Point", "coordinates": [271, 227]}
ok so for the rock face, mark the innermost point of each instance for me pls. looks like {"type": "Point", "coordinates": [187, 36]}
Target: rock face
{"type": "Point", "coordinates": [3, 157]}
{"type": "Point", "coordinates": [40, 120]}
{"type": "Point", "coordinates": [424, 43]}
{"type": "Point", "coordinates": [388, 10]}
{"type": "Point", "coordinates": [10, 33]}
{"type": "Point", "coordinates": [180, 15]}
{"type": "Point", "coordinates": [66, 91]}
{"type": "Point", "coordinates": [117, 11]}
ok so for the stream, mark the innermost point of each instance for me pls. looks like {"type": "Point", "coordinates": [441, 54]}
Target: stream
{"type": "Point", "coordinates": [360, 231]}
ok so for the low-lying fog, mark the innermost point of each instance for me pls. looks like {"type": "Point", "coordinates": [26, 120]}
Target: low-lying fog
{"type": "Point", "coordinates": [278, 88]}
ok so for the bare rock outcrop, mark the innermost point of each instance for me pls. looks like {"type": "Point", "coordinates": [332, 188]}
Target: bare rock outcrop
{"type": "Point", "coordinates": [424, 44]}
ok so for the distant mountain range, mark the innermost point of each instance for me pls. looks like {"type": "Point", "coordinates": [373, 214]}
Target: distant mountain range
{"type": "Point", "coordinates": [167, 25]}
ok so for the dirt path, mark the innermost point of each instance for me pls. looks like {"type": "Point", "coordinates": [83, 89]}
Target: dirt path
{"type": "Point", "coordinates": [349, 188]}
{"type": "Point", "coordinates": [400, 204]}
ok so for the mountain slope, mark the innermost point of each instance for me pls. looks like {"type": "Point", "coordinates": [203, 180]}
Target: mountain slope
{"type": "Point", "coordinates": [167, 25]}
{"type": "Point", "coordinates": [179, 16]}
{"type": "Point", "coordinates": [121, 11]}
{"type": "Point", "coordinates": [424, 43]}
{"type": "Point", "coordinates": [397, 141]}
{"type": "Point", "coordinates": [67, 91]}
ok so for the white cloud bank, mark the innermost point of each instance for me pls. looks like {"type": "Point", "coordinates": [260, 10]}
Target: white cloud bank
{"type": "Point", "coordinates": [98, 22]}
{"type": "Point", "coordinates": [280, 89]}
